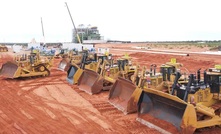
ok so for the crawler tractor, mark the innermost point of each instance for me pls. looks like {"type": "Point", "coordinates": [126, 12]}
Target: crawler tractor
{"type": "Point", "coordinates": [124, 93]}
{"type": "Point", "coordinates": [94, 82]}
{"type": "Point", "coordinates": [27, 66]}
{"type": "Point", "coordinates": [188, 106]}
{"type": "Point", "coordinates": [88, 61]}
{"type": "Point", "coordinates": [68, 58]}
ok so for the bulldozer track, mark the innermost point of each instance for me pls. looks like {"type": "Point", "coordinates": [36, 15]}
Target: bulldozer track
{"type": "Point", "coordinates": [216, 106]}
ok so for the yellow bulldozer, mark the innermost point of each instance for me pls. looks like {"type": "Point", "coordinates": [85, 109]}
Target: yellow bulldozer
{"type": "Point", "coordinates": [27, 66]}
{"type": "Point", "coordinates": [3, 48]}
{"type": "Point", "coordinates": [188, 106]}
{"type": "Point", "coordinates": [68, 58]}
{"type": "Point", "coordinates": [94, 82]}
{"type": "Point", "coordinates": [88, 61]}
{"type": "Point", "coordinates": [124, 93]}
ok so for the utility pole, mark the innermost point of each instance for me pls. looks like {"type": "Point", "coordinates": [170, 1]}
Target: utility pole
{"type": "Point", "coordinates": [75, 29]}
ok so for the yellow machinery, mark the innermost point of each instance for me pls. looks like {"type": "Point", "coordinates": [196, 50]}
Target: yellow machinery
{"type": "Point", "coordinates": [75, 70]}
{"type": "Point", "coordinates": [188, 106]}
{"type": "Point", "coordinates": [165, 79]}
{"type": "Point", "coordinates": [125, 93]}
{"type": "Point", "coordinates": [27, 66]}
{"type": "Point", "coordinates": [64, 53]}
{"type": "Point", "coordinates": [3, 48]}
{"type": "Point", "coordinates": [71, 57]}
{"type": "Point", "coordinates": [65, 63]}
{"type": "Point", "coordinates": [94, 82]}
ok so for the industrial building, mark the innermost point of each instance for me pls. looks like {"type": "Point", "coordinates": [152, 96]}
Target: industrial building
{"type": "Point", "coordinates": [86, 33]}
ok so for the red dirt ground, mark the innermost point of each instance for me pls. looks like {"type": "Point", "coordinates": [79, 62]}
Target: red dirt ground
{"type": "Point", "coordinates": [51, 105]}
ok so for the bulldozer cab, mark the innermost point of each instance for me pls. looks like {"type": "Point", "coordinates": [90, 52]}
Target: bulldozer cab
{"type": "Point", "coordinates": [122, 63]}
{"type": "Point", "coordinates": [125, 68]}
{"type": "Point", "coordinates": [214, 80]}
{"type": "Point", "coordinates": [167, 71]}
{"type": "Point", "coordinates": [166, 76]}
{"type": "Point", "coordinates": [34, 58]}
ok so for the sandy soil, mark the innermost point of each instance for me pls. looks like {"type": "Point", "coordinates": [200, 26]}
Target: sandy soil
{"type": "Point", "coordinates": [51, 105]}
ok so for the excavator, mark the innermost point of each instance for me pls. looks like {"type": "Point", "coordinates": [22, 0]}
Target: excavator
{"type": "Point", "coordinates": [27, 66]}
{"type": "Point", "coordinates": [94, 82]}
{"type": "Point", "coordinates": [188, 106]}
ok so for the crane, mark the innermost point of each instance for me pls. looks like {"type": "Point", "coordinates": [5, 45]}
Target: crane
{"type": "Point", "coordinates": [73, 23]}
{"type": "Point", "coordinates": [42, 30]}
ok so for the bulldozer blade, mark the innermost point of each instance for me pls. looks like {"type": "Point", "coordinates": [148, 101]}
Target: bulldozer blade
{"type": "Point", "coordinates": [122, 95]}
{"type": "Point", "coordinates": [9, 70]}
{"type": "Point", "coordinates": [90, 82]}
{"type": "Point", "coordinates": [64, 65]}
{"type": "Point", "coordinates": [166, 107]}
{"type": "Point", "coordinates": [71, 73]}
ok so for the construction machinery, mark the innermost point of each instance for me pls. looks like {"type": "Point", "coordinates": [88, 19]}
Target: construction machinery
{"type": "Point", "coordinates": [3, 48]}
{"type": "Point", "coordinates": [71, 57]}
{"type": "Point", "coordinates": [94, 82]}
{"type": "Point", "coordinates": [64, 53]}
{"type": "Point", "coordinates": [188, 106]}
{"type": "Point", "coordinates": [27, 66]}
{"type": "Point", "coordinates": [164, 79]}
{"type": "Point", "coordinates": [88, 61]}
{"type": "Point", "coordinates": [124, 93]}
{"type": "Point", "coordinates": [76, 32]}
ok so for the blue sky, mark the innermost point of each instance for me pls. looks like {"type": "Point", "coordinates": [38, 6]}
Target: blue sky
{"type": "Point", "coordinates": [141, 20]}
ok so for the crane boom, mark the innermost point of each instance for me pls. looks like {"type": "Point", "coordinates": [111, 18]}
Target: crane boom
{"type": "Point", "coordinates": [75, 29]}
{"type": "Point", "coordinates": [42, 30]}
